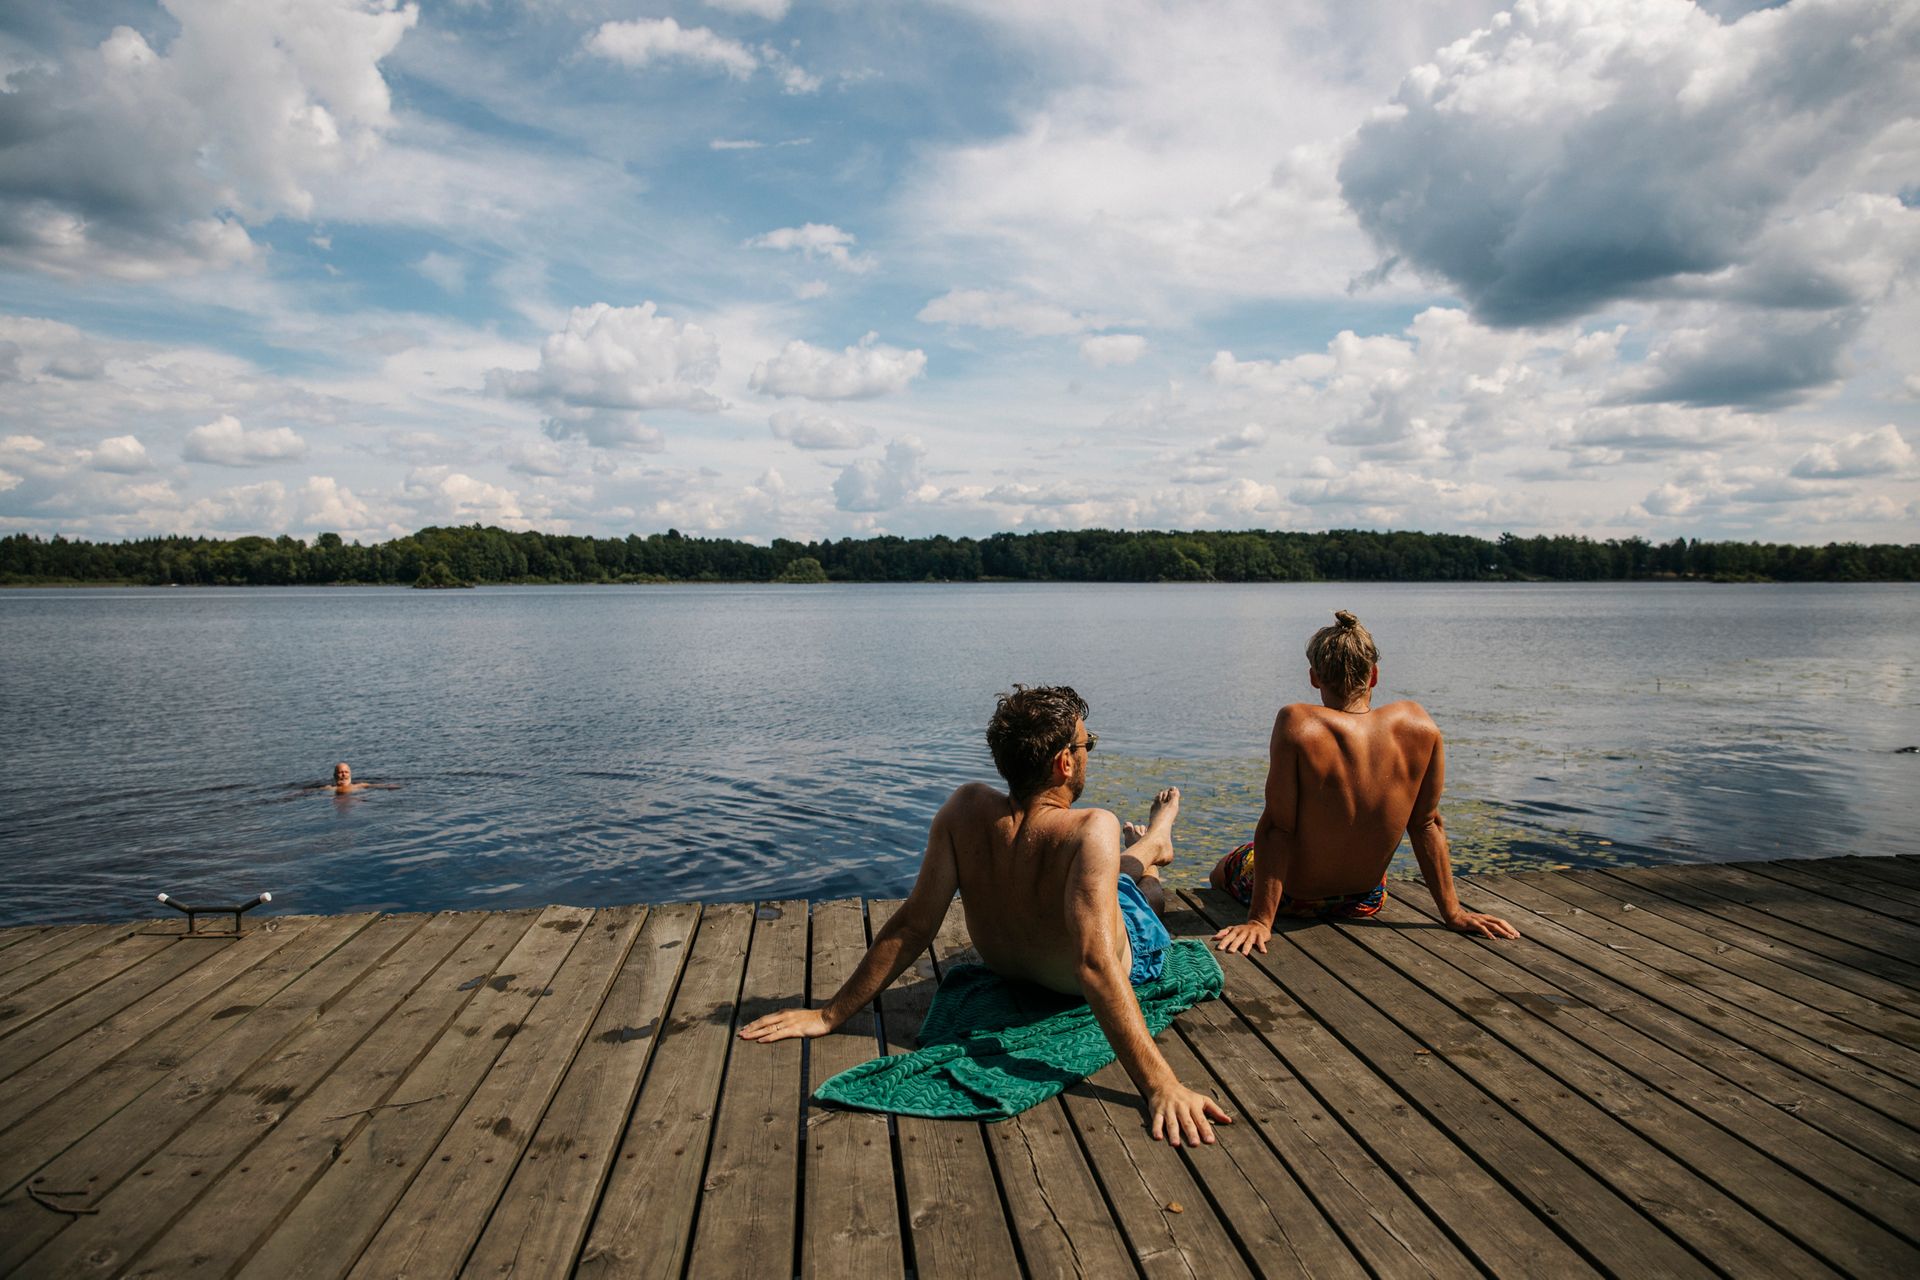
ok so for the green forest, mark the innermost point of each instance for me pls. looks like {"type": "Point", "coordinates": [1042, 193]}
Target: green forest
{"type": "Point", "coordinates": [468, 555]}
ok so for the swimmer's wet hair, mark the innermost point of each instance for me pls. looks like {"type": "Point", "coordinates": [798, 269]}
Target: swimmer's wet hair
{"type": "Point", "coordinates": [1029, 727]}
{"type": "Point", "coordinates": [1343, 655]}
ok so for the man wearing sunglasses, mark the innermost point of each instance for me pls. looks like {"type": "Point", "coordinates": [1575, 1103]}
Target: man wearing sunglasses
{"type": "Point", "coordinates": [1054, 895]}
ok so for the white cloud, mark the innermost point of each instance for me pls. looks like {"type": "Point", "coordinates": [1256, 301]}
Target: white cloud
{"type": "Point", "coordinates": [1880, 452]}
{"type": "Point", "coordinates": [880, 484]}
{"type": "Point", "coordinates": [648, 40]}
{"type": "Point", "coordinates": [816, 430]}
{"type": "Point", "coordinates": [122, 454]}
{"type": "Point", "coordinates": [609, 365]}
{"type": "Point", "coordinates": [441, 495]}
{"type": "Point", "coordinates": [130, 161]}
{"type": "Point", "coordinates": [987, 309]}
{"type": "Point", "coordinates": [1576, 152]}
{"type": "Point", "coordinates": [1251, 436]}
{"type": "Point", "coordinates": [225, 442]}
{"type": "Point", "coordinates": [857, 373]}
{"type": "Point", "coordinates": [815, 241]}
{"type": "Point", "coordinates": [771, 10]}
{"type": "Point", "coordinates": [445, 270]}
{"type": "Point", "coordinates": [1112, 349]}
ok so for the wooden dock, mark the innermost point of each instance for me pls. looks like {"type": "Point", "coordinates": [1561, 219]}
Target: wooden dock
{"type": "Point", "coordinates": [1708, 1070]}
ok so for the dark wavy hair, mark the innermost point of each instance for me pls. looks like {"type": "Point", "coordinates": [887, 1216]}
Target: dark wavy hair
{"type": "Point", "coordinates": [1029, 727]}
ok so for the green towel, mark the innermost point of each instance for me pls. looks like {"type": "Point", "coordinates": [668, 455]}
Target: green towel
{"type": "Point", "coordinates": [991, 1047]}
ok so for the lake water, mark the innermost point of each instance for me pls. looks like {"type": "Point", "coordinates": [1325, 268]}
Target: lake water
{"type": "Point", "coordinates": [602, 745]}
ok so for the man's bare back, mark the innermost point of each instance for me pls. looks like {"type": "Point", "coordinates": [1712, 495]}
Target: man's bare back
{"type": "Point", "coordinates": [1016, 875]}
{"type": "Point", "coordinates": [1344, 780]}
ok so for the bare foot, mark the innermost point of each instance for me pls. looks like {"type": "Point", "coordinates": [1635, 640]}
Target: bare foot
{"type": "Point", "coordinates": [1153, 844]}
{"type": "Point", "coordinates": [1167, 803]}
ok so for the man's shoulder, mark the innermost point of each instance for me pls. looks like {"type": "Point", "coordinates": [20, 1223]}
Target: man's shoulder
{"type": "Point", "coordinates": [976, 798]}
{"type": "Point", "coordinates": [1411, 714]}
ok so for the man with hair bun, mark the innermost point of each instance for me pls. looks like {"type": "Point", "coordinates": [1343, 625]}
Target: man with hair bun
{"type": "Point", "coordinates": [1344, 780]}
{"type": "Point", "coordinates": [1066, 898]}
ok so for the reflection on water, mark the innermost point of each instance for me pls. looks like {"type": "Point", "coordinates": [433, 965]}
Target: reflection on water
{"type": "Point", "coordinates": [601, 745]}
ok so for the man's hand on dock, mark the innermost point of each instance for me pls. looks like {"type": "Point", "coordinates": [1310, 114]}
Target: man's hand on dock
{"type": "Point", "coordinates": [1481, 926]}
{"type": "Point", "coordinates": [1243, 939]}
{"type": "Point", "coordinates": [785, 1025]}
{"type": "Point", "coordinates": [1178, 1112]}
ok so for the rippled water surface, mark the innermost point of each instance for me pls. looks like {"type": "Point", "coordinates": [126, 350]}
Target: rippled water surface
{"type": "Point", "coordinates": [601, 745]}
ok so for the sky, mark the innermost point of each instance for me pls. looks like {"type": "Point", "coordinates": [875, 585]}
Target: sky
{"type": "Point", "coordinates": [824, 268]}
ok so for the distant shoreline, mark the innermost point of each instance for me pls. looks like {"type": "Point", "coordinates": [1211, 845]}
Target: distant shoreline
{"type": "Point", "coordinates": [469, 555]}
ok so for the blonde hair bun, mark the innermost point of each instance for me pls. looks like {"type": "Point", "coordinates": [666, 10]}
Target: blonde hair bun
{"type": "Point", "coordinates": [1346, 620]}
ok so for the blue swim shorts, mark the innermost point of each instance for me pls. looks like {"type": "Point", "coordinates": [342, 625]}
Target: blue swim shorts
{"type": "Point", "coordinates": [1148, 937]}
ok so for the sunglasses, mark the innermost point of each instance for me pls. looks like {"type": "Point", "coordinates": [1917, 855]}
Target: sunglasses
{"type": "Point", "coordinates": [1093, 740]}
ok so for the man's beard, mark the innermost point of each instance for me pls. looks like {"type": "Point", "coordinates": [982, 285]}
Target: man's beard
{"type": "Point", "coordinates": [1076, 785]}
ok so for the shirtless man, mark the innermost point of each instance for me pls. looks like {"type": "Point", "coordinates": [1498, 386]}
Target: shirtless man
{"type": "Point", "coordinates": [1344, 781]}
{"type": "Point", "coordinates": [343, 783]}
{"type": "Point", "coordinates": [1052, 895]}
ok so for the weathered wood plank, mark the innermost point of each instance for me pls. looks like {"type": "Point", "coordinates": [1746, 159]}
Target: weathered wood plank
{"type": "Point", "coordinates": [245, 1202]}
{"type": "Point", "coordinates": [1724, 1171]}
{"type": "Point", "coordinates": [25, 1045]}
{"type": "Point", "coordinates": [1603, 1222]}
{"type": "Point", "coordinates": [1374, 1215]}
{"type": "Point", "coordinates": [1858, 1027]}
{"type": "Point", "coordinates": [1901, 872]}
{"type": "Point", "coordinates": [1693, 892]}
{"type": "Point", "coordinates": [16, 934]}
{"type": "Point", "coordinates": [323, 1233]}
{"type": "Point", "coordinates": [65, 1070]}
{"type": "Point", "coordinates": [130, 1215]}
{"type": "Point", "coordinates": [1678, 979]}
{"type": "Point", "coordinates": [1896, 999]}
{"type": "Point", "coordinates": [1170, 1226]}
{"type": "Point", "coordinates": [1774, 1065]}
{"type": "Point", "coordinates": [429, 1232]}
{"type": "Point", "coordinates": [59, 949]}
{"type": "Point", "coordinates": [850, 1221]}
{"type": "Point", "coordinates": [1901, 901]}
{"type": "Point", "coordinates": [115, 1148]}
{"type": "Point", "coordinates": [1836, 907]}
{"type": "Point", "coordinates": [541, 1222]}
{"type": "Point", "coordinates": [750, 1206]}
{"type": "Point", "coordinates": [1054, 1204]}
{"type": "Point", "coordinates": [1523, 982]}
{"type": "Point", "coordinates": [645, 1218]}
{"type": "Point", "coordinates": [957, 1223]}
{"type": "Point", "coordinates": [54, 993]}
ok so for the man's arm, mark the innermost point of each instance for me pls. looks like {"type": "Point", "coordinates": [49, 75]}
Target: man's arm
{"type": "Point", "coordinates": [1429, 836]}
{"type": "Point", "coordinates": [904, 936]}
{"type": "Point", "coordinates": [1093, 913]}
{"type": "Point", "coordinates": [1272, 843]}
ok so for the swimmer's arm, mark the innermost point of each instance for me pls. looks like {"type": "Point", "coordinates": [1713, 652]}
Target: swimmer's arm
{"type": "Point", "coordinates": [1272, 843]}
{"type": "Point", "coordinates": [1428, 832]}
{"type": "Point", "coordinates": [907, 933]}
{"type": "Point", "coordinates": [1175, 1112]}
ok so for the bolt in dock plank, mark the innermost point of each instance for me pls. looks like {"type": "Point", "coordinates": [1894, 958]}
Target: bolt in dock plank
{"type": "Point", "coordinates": [541, 1221]}
{"type": "Point", "coordinates": [646, 1213]}
{"type": "Point", "coordinates": [750, 1199]}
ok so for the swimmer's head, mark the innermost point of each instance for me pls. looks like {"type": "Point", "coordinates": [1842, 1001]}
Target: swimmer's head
{"type": "Point", "coordinates": [342, 774]}
{"type": "Point", "coordinates": [1342, 657]}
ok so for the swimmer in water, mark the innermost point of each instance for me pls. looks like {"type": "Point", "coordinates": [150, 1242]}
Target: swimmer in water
{"type": "Point", "coordinates": [343, 783]}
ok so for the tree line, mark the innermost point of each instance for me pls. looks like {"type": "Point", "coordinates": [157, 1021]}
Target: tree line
{"type": "Point", "coordinates": [475, 554]}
